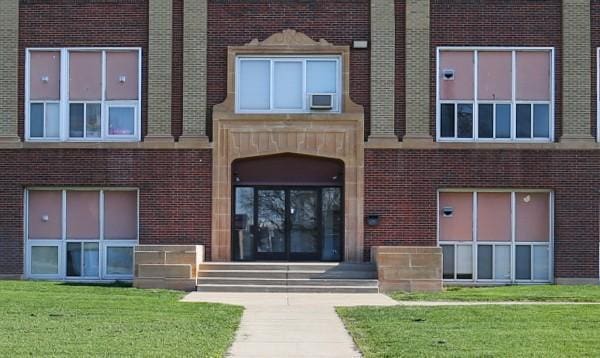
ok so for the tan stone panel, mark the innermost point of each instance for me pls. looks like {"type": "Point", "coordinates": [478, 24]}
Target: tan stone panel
{"type": "Point", "coordinates": [164, 271]}
{"type": "Point", "coordinates": [149, 257]}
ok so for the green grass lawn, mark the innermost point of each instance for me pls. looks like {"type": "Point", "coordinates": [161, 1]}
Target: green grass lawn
{"type": "Point", "coordinates": [550, 293]}
{"type": "Point", "coordinates": [476, 331]}
{"type": "Point", "coordinates": [57, 319]}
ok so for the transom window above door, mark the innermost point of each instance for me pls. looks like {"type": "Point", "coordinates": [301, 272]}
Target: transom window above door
{"type": "Point", "coordinates": [288, 84]}
{"type": "Point", "coordinates": [83, 94]}
{"type": "Point", "coordinates": [495, 94]}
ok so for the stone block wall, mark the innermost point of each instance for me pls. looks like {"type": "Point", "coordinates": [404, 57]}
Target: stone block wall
{"type": "Point", "coordinates": [167, 266]}
{"type": "Point", "coordinates": [410, 269]}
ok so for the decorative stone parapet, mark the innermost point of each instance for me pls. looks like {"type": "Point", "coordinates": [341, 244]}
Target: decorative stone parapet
{"type": "Point", "coordinates": [408, 268]}
{"type": "Point", "coordinates": [167, 266]}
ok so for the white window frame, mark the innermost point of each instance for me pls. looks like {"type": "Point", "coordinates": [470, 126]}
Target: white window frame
{"type": "Point", "coordinates": [103, 243]}
{"type": "Point", "coordinates": [512, 243]}
{"type": "Point", "coordinates": [337, 98]}
{"type": "Point", "coordinates": [65, 101]}
{"type": "Point", "coordinates": [513, 102]}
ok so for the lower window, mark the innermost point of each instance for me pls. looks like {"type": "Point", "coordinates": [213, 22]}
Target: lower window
{"type": "Point", "coordinates": [81, 234]}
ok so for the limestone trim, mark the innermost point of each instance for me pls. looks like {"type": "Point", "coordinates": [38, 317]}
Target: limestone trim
{"type": "Point", "coordinates": [9, 44]}
{"type": "Point", "coordinates": [383, 69]}
{"type": "Point", "coordinates": [337, 136]}
{"type": "Point", "coordinates": [194, 70]}
{"type": "Point", "coordinates": [576, 75]}
{"type": "Point", "coordinates": [417, 74]}
{"type": "Point", "coordinates": [160, 29]}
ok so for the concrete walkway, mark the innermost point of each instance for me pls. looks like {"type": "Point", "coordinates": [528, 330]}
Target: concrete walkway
{"type": "Point", "coordinates": [292, 324]}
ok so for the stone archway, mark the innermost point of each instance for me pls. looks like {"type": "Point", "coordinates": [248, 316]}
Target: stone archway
{"type": "Point", "coordinates": [329, 135]}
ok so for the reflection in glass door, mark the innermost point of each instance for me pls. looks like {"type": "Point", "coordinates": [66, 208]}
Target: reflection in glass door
{"type": "Point", "coordinates": [304, 225]}
{"type": "Point", "coordinates": [270, 230]}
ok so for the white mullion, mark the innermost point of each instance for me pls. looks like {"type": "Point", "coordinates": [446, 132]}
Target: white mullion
{"type": "Point", "coordinates": [304, 79]}
{"type": "Point", "coordinates": [103, 95]}
{"type": "Point", "coordinates": [513, 106]}
{"type": "Point", "coordinates": [27, 94]}
{"type": "Point", "coordinates": [513, 266]}
{"type": "Point", "coordinates": [138, 119]}
{"type": "Point", "coordinates": [475, 115]}
{"type": "Point", "coordinates": [438, 116]}
{"type": "Point", "coordinates": [474, 248]}
{"type": "Point", "coordinates": [63, 270]}
{"type": "Point", "coordinates": [271, 84]}
{"type": "Point", "coordinates": [101, 263]}
{"type": "Point", "coordinates": [531, 124]}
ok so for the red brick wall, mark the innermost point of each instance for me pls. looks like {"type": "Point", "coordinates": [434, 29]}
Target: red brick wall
{"type": "Point", "coordinates": [82, 23]}
{"type": "Point", "coordinates": [237, 22]}
{"type": "Point", "coordinates": [175, 191]}
{"type": "Point", "coordinates": [402, 187]}
{"type": "Point", "coordinates": [497, 23]}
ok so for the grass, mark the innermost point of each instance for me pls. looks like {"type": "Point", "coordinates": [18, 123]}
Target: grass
{"type": "Point", "coordinates": [547, 293]}
{"type": "Point", "coordinates": [58, 319]}
{"type": "Point", "coordinates": [476, 331]}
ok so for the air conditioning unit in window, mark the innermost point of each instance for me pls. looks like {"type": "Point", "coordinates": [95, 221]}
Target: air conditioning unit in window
{"type": "Point", "coordinates": [321, 101]}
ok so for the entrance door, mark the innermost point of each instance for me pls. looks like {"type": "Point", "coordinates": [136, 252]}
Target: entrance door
{"type": "Point", "coordinates": [294, 223]}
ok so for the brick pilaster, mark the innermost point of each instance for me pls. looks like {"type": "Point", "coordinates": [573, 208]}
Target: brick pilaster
{"type": "Point", "coordinates": [383, 64]}
{"type": "Point", "coordinates": [576, 75]}
{"type": "Point", "coordinates": [9, 43]}
{"type": "Point", "coordinates": [194, 70]}
{"type": "Point", "coordinates": [417, 74]}
{"type": "Point", "coordinates": [160, 28]}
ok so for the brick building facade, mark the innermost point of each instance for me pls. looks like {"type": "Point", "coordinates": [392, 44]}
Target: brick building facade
{"type": "Point", "coordinates": [392, 185]}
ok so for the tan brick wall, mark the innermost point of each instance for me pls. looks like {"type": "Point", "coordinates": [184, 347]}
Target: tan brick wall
{"type": "Point", "coordinates": [160, 28]}
{"type": "Point", "coordinates": [576, 70]}
{"type": "Point", "coordinates": [417, 69]}
{"type": "Point", "coordinates": [408, 268]}
{"type": "Point", "coordinates": [383, 49]}
{"type": "Point", "coordinates": [9, 41]}
{"type": "Point", "coordinates": [194, 68]}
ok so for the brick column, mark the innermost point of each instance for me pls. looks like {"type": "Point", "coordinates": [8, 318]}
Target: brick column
{"type": "Point", "coordinates": [417, 74]}
{"type": "Point", "coordinates": [383, 65]}
{"type": "Point", "coordinates": [576, 74]}
{"type": "Point", "coordinates": [160, 19]}
{"type": "Point", "coordinates": [194, 71]}
{"type": "Point", "coordinates": [9, 44]}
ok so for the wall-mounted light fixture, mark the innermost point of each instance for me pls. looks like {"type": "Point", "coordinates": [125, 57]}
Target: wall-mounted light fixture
{"type": "Point", "coordinates": [373, 219]}
{"type": "Point", "coordinates": [448, 211]}
{"type": "Point", "coordinates": [448, 74]}
{"type": "Point", "coordinates": [236, 177]}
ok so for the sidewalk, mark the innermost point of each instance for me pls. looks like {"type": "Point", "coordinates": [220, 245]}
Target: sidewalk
{"type": "Point", "coordinates": [292, 325]}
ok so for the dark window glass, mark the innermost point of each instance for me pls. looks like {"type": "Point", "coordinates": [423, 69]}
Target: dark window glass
{"type": "Point", "coordinates": [74, 259]}
{"type": "Point", "coordinates": [523, 121]}
{"type": "Point", "coordinates": [486, 121]}
{"type": "Point", "coordinates": [503, 121]}
{"type": "Point", "coordinates": [484, 262]}
{"type": "Point", "coordinates": [36, 120]}
{"type": "Point", "coordinates": [541, 123]}
{"type": "Point", "coordinates": [76, 120]}
{"type": "Point", "coordinates": [93, 120]}
{"type": "Point", "coordinates": [523, 262]}
{"type": "Point", "coordinates": [448, 261]}
{"type": "Point", "coordinates": [447, 121]}
{"type": "Point", "coordinates": [465, 120]}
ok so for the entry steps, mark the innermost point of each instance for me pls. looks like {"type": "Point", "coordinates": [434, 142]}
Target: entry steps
{"type": "Point", "coordinates": [287, 277]}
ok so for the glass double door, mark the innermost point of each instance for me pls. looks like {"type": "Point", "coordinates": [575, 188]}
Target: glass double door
{"type": "Point", "coordinates": [278, 223]}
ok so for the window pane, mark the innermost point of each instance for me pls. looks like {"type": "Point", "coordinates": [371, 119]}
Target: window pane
{"type": "Point", "coordinates": [540, 263]}
{"type": "Point", "coordinates": [287, 91]}
{"type": "Point", "coordinates": [121, 121]}
{"type": "Point", "coordinates": [447, 120]}
{"type": "Point", "coordinates": [243, 235]}
{"type": "Point", "coordinates": [486, 121]}
{"type": "Point", "coordinates": [465, 120]}
{"type": "Point", "coordinates": [122, 75]}
{"type": "Point", "coordinates": [321, 76]}
{"type": "Point", "coordinates": [90, 259]}
{"type": "Point", "coordinates": [52, 120]}
{"type": "Point", "coordinates": [44, 75]}
{"type": "Point", "coordinates": [448, 261]}
{"type": "Point", "coordinates": [119, 260]}
{"type": "Point", "coordinates": [74, 259]}
{"type": "Point", "coordinates": [464, 262]}
{"type": "Point", "coordinates": [523, 262]}
{"type": "Point", "coordinates": [93, 120]}
{"type": "Point", "coordinates": [83, 218]}
{"type": "Point", "coordinates": [254, 83]}
{"type": "Point", "coordinates": [484, 262]}
{"type": "Point", "coordinates": [493, 216]}
{"type": "Point", "coordinates": [44, 260]}
{"type": "Point", "coordinates": [36, 120]}
{"type": "Point", "coordinates": [541, 122]}
{"type": "Point", "coordinates": [523, 121]}
{"type": "Point", "coordinates": [45, 214]}
{"type": "Point", "coordinates": [532, 217]}
{"type": "Point", "coordinates": [456, 216]}
{"type": "Point", "coordinates": [120, 215]}
{"type": "Point", "coordinates": [85, 75]}
{"type": "Point", "coordinates": [76, 120]}
{"type": "Point", "coordinates": [502, 262]}
{"type": "Point", "coordinates": [503, 121]}
{"type": "Point", "coordinates": [332, 223]}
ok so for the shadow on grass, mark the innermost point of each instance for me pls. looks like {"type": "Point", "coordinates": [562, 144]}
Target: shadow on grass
{"type": "Point", "coordinates": [98, 284]}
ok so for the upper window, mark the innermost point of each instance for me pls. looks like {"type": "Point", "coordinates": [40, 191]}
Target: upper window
{"type": "Point", "coordinates": [83, 94]}
{"type": "Point", "coordinates": [288, 84]}
{"type": "Point", "coordinates": [495, 94]}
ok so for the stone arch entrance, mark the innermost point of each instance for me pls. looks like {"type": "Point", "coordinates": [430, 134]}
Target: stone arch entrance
{"type": "Point", "coordinates": [338, 136]}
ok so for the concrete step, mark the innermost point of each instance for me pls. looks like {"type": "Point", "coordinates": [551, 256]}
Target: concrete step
{"type": "Point", "coordinates": [280, 274]}
{"type": "Point", "coordinates": [282, 282]}
{"type": "Point", "coordinates": [284, 266]}
{"type": "Point", "coordinates": [283, 288]}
